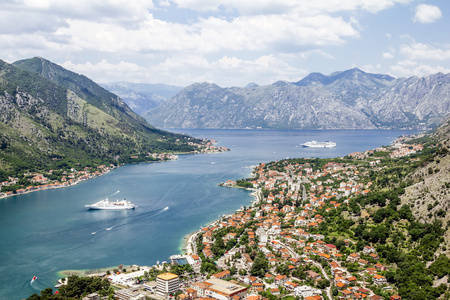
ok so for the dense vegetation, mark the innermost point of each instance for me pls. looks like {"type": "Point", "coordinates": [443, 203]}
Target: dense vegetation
{"type": "Point", "coordinates": [44, 126]}
{"type": "Point", "coordinates": [76, 288]}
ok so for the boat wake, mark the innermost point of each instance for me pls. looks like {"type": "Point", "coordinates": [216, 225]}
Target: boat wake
{"type": "Point", "coordinates": [35, 284]}
{"type": "Point", "coordinates": [95, 230]}
{"type": "Point", "coordinates": [136, 219]}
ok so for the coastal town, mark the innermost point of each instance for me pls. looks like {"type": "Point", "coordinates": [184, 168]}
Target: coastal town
{"type": "Point", "coordinates": [303, 237]}
{"type": "Point", "coordinates": [61, 178]}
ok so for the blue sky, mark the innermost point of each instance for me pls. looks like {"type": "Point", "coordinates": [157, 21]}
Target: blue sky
{"type": "Point", "coordinates": [228, 42]}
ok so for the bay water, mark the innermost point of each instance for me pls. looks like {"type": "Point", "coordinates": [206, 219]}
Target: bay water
{"type": "Point", "coordinates": [45, 232]}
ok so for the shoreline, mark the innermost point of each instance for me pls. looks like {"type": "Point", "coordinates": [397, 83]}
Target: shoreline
{"type": "Point", "coordinates": [66, 184]}
{"type": "Point", "coordinates": [187, 240]}
{"type": "Point", "coordinates": [186, 244]}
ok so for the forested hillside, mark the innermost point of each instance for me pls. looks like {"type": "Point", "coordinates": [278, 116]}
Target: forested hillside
{"type": "Point", "coordinates": [51, 118]}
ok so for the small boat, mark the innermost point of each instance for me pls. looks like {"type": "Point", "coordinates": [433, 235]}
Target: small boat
{"type": "Point", "coordinates": [33, 279]}
{"type": "Point", "coordinates": [315, 144]}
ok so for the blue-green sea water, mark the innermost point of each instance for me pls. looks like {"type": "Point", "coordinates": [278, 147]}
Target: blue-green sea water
{"type": "Point", "coordinates": [49, 231]}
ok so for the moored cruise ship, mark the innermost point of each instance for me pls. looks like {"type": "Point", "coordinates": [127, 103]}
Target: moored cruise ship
{"type": "Point", "coordinates": [315, 144]}
{"type": "Point", "coordinates": [108, 205]}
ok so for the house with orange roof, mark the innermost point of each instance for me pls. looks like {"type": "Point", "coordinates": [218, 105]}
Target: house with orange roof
{"type": "Point", "coordinates": [368, 249]}
{"type": "Point", "coordinates": [353, 257]}
{"type": "Point", "coordinates": [289, 285]}
{"type": "Point", "coordinates": [257, 286]}
{"type": "Point", "coordinates": [347, 294]}
{"type": "Point", "coordinates": [380, 267]}
{"type": "Point", "coordinates": [338, 255]}
{"type": "Point", "coordinates": [374, 256]}
{"type": "Point", "coordinates": [273, 261]}
{"type": "Point", "coordinates": [340, 285]}
{"type": "Point", "coordinates": [222, 275]}
{"type": "Point", "coordinates": [280, 279]}
{"type": "Point", "coordinates": [312, 275]}
{"type": "Point", "coordinates": [352, 279]}
{"type": "Point", "coordinates": [316, 297]}
{"type": "Point", "coordinates": [229, 236]}
{"type": "Point", "coordinates": [253, 297]}
{"type": "Point", "coordinates": [313, 224]}
{"type": "Point", "coordinates": [275, 292]}
{"type": "Point", "coordinates": [371, 271]}
{"type": "Point", "coordinates": [334, 265]}
{"type": "Point", "coordinates": [250, 279]}
{"type": "Point", "coordinates": [325, 256]}
{"type": "Point", "coordinates": [362, 262]}
{"type": "Point", "coordinates": [379, 279]}
{"type": "Point", "coordinates": [191, 293]}
{"type": "Point", "coordinates": [207, 252]}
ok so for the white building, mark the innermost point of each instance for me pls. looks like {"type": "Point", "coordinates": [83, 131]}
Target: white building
{"type": "Point", "coordinates": [306, 291]}
{"type": "Point", "coordinates": [166, 284]}
{"type": "Point", "coordinates": [224, 290]}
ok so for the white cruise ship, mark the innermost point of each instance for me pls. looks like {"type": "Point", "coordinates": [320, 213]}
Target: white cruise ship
{"type": "Point", "coordinates": [108, 205]}
{"type": "Point", "coordinates": [315, 144]}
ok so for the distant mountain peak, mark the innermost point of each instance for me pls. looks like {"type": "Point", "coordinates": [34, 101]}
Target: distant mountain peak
{"type": "Point", "coordinates": [351, 99]}
{"type": "Point", "coordinates": [251, 85]}
{"type": "Point", "coordinates": [354, 74]}
{"type": "Point", "coordinates": [281, 83]}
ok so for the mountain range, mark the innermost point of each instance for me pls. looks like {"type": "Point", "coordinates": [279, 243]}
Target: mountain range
{"type": "Point", "coordinates": [50, 116]}
{"type": "Point", "coordinates": [141, 97]}
{"type": "Point", "coordinates": [351, 99]}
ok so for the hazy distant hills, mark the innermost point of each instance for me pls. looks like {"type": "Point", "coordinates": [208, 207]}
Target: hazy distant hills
{"type": "Point", "coordinates": [350, 99]}
{"type": "Point", "coordinates": [142, 97]}
{"type": "Point", "coordinates": [49, 115]}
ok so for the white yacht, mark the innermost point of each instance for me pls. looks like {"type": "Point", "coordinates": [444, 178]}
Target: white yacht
{"type": "Point", "coordinates": [315, 144]}
{"type": "Point", "coordinates": [108, 205]}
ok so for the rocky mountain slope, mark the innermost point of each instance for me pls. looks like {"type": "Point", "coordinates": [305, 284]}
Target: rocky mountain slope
{"type": "Point", "coordinates": [49, 115]}
{"type": "Point", "coordinates": [351, 99]}
{"type": "Point", "coordinates": [141, 97]}
{"type": "Point", "coordinates": [429, 193]}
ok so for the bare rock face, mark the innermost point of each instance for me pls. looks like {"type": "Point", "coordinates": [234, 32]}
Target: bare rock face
{"type": "Point", "coordinates": [351, 99]}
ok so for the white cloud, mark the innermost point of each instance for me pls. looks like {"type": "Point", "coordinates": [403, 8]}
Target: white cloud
{"type": "Point", "coordinates": [289, 6]}
{"type": "Point", "coordinates": [420, 51]}
{"type": "Point", "coordinates": [387, 55]}
{"type": "Point", "coordinates": [230, 42]}
{"type": "Point", "coordinates": [34, 13]}
{"type": "Point", "coordinates": [426, 13]}
{"type": "Point", "coordinates": [408, 68]}
{"type": "Point", "coordinates": [253, 33]}
{"type": "Point", "coordinates": [184, 70]}
{"type": "Point", "coordinates": [371, 68]}
{"type": "Point", "coordinates": [104, 71]}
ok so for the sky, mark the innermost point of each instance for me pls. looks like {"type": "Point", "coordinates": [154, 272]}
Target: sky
{"type": "Point", "coordinates": [228, 42]}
